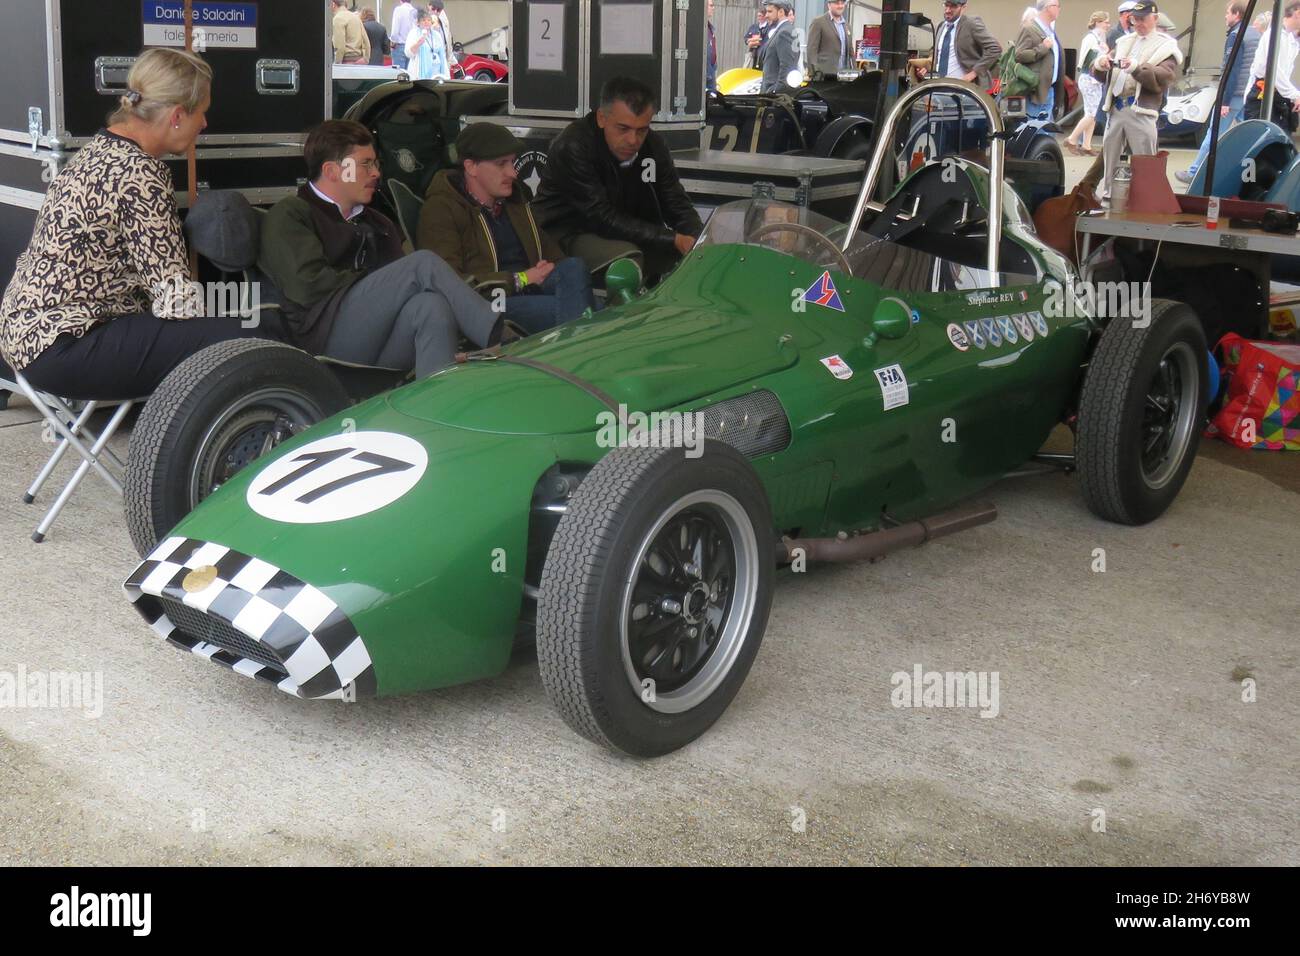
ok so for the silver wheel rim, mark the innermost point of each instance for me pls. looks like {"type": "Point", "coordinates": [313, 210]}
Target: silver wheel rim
{"type": "Point", "coordinates": [1169, 414]}
{"type": "Point", "coordinates": [696, 602]}
{"type": "Point", "coordinates": [279, 404]}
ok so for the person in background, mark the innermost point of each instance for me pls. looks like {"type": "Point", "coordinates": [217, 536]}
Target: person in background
{"type": "Point", "coordinates": [711, 64]}
{"type": "Point", "coordinates": [1143, 65]}
{"type": "Point", "coordinates": [476, 218]}
{"type": "Point", "coordinates": [756, 39]}
{"type": "Point", "coordinates": [439, 11]}
{"type": "Point", "coordinates": [1093, 45]}
{"type": "Point", "coordinates": [351, 45]}
{"type": "Point", "coordinates": [100, 305]}
{"type": "Point", "coordinates": [610, 189]}
{"type": "Point", "coordinates": [830, 40]}
{"type": "Point", "coordinates": [380, 46]}
{"type": "Point", "coordinates": [964, 48]}
{"type": "Point", "coordinates": [1286, 98]}
{"type": "Point", "coordinates": [426, 50]}
{"type": "Point", "coordinates": [403, 24]}
{"type": "Point", "coordinates": [351, 293]}
{"type": "Point", "coordinates": [1234, 91]}
{"type": "Point", "coordinates": [1039, 47]}
{"type": "Point", "coordinates": [780, 56]}
{"type": "Point", "coordinates": [1123, 25]}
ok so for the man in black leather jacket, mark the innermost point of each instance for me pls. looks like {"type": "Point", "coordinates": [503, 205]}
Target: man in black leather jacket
{"type": "Point", "coordinates": [610, 189]}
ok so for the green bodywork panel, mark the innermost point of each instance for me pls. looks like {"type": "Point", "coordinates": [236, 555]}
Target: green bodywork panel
{"type": "Point", "coordinates": [421, 578]}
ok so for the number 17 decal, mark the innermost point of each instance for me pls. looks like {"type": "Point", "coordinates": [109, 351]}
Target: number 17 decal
{"type": "Point", "coordinates": [339, 477]}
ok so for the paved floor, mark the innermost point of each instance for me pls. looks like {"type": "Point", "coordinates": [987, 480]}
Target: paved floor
{"type": "Point", "coordinates": [1119, 703]}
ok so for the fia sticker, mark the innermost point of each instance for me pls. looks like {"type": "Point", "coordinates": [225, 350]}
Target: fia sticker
{"type": "Point", "coordinates": [991, 332]}
{"type": "Point", "coordinates": [893, 386]}
{"type": "Point", "coordinates": [957, 337]}
{"type": "Point", "coordinates": [1039, 323]}
{"type": "Point", "coordinates": [1008, 329]}
{"type": "Point", "coordinates": [1025, 326]}
{"type": "Point", "coordinates": [976, 336]}
{"type": "Point", "coordinates": [339, 477]}
{"type": "Point", "coordinates": [838, 367]}
{"type": "Point", "coordinates": [823, 292]}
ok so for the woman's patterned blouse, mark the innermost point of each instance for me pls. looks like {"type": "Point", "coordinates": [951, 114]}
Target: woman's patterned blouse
{"type": "Point", "coordinates": [107, 243]}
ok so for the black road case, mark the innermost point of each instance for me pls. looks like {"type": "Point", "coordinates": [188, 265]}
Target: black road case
{"type": "Point", "coordinates": [66, 63]}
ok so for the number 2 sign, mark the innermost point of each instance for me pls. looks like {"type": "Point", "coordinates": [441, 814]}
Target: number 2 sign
{"type": "Point", "coordinates": [343, 476]}
{"type": "Point", "coordinates": [546, 37]}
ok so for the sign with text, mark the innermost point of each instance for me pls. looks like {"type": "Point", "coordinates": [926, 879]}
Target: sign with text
{"type": "Point", "coordinates": [218, 24]}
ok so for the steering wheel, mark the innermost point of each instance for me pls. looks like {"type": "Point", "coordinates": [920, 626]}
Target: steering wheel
{"type": "Point", "coordinates": [808, 232]}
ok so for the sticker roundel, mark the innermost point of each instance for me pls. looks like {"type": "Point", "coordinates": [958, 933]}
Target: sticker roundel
{"type": "Point", "coordinates": [338, 477]}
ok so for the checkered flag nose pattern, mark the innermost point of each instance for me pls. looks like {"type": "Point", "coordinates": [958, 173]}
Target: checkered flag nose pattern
{"type": "Point", "coordinates": [250, 616]}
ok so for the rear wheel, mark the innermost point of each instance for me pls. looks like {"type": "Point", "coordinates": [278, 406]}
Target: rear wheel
{"type": "Point", "coordinates": [655, 595]}
{"type": "Point", "coordinates": [217, 411]}
{"type": "Point", "coordinates": [486, 75]}
{"type": "Point", "coordinates": [1141, 413]}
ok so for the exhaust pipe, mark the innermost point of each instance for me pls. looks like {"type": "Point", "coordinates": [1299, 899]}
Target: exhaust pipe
{"type": "Point", "coordinates": [877, 544]}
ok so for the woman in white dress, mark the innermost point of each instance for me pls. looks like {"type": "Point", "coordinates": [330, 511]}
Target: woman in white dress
{"type": "Point", "coordinates": [1079, 142]}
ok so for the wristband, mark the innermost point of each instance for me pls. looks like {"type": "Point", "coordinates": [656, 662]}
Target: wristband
{"type": "Point", "coordinates": [522, 277]}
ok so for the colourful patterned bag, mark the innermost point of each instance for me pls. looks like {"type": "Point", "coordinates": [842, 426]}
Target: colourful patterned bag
{"type": "Point", "coordinates": [1262, 405]}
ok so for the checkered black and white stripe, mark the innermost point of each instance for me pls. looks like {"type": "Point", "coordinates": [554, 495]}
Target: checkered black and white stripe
{"type": "Point", "coordinates": [265, 623]}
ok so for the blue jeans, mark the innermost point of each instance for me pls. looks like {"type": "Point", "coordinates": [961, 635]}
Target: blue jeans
{"type": "Point", "coordinates": [1036, 109]}
{"type": "Point", "coordinates": [564, 294]}
{"type": "Point", "coordinates": [1234, 114]}
{"type": "Point", "coordinates": [400, 59]}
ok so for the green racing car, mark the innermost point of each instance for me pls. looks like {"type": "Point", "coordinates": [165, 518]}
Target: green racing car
{"type": "Point", "coordinates": [622, 489]}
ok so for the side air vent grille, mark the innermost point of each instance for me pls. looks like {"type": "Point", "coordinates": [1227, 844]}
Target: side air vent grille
{"type": "Point", "coordinates": [753, 424]}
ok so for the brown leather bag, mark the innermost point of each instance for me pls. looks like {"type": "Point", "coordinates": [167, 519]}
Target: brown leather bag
{"type": "Point", "coordinates": [1150, 191]}
{"type": "Point", "coordinates": [1055, 218]}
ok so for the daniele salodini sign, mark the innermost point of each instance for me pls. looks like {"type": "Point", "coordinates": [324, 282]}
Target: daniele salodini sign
{"type": "Point", "coordinates": [217, 23]}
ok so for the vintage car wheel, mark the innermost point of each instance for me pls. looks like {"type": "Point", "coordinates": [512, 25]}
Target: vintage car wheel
{"type": "Point", "coordinates": [1141, 413]}
{"type": "Point", "coordinates": [655, 595]}
{"type": "Point", "coordinates": [486, 76]}
{"type": "Point", "coordinates": [217, 411]}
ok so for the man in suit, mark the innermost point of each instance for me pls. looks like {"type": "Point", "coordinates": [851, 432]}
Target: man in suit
{"type": "Point", "coordinates": [963, 48]}
{"type": "Point", "coordinates": [1039, 48]}
{"type": "Point", "coordinates": [830, 40]}
{"type": "Point", "coordinates": [1234, 93]}
{"type": "Point", "coordinates": [779, 56]}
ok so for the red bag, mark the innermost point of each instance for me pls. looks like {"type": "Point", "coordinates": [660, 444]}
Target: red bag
{"type": "Point", "coordinates": [1262, 406]}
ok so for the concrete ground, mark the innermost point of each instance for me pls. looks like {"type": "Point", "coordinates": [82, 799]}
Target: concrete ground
{"type": "Point", "coordinates": [1121, 737]}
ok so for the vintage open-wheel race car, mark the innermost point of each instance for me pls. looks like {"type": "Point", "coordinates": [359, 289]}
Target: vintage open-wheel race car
{"type": "Point", "coordinates": [623, 488]}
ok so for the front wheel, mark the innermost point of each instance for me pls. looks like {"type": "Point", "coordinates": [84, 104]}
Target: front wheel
{"type": "Point", "coordinates": [214, 413]}
{"type": "Point", "coordinates": [655, 595]}
{"type": "Point", "coordinates": [486, 76]}
{"type": "Point", "coordinates": [1141, 413]}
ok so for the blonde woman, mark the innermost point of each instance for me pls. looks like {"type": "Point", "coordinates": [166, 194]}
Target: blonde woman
{"type": "Point", "coordinates": [1079, 142]}
{"type": "Point", "coordinates": [100, 305]}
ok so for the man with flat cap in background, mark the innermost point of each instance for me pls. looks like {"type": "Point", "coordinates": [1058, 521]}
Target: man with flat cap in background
{"type": "Point", "coordinates": [476, 217]}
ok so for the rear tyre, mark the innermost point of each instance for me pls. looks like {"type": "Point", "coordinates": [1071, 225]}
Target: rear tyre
{"type": "Point", "coordinates": [217, 411]}
{"type": "Point", "coordinates": [486, 76]}
{"type": "Point", "coordinates": [655, 595]}
{"type": "Point", "coordinates": [1141, 413]}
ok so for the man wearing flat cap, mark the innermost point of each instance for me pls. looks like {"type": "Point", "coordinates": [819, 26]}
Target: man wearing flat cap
{"type": "Point", "coordinates": [1136, 74]}
{"type": "Point", "coordinates": [963, 48]}
{"type": "Point", "coordinates": [476, 218]}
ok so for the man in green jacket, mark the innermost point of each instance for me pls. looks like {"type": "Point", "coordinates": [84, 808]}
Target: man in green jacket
{"type": "Point", "coordinates": [476, 219]}
{"type": "Point", "coordinates": [351, 293]}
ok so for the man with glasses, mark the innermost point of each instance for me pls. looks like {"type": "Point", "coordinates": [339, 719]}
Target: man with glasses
{"type": "Point", "coordinates": [963, 48]}
{"type": "Point", "coordinates": [350, 293]}
{"type": "Point", "coordinates": [1039, 48]}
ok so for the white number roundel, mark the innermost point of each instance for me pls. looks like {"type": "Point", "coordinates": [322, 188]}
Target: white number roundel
{"type": "Point", "coordinates": [339, 477]}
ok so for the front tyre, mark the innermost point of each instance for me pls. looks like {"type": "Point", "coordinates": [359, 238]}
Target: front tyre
{"type": "Point", "coordinates": [1141, 413]}
{"type": "Point", "coordinates": [655, 595]}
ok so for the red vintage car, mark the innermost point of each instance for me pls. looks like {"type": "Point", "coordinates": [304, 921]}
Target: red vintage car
{"type": "Point", "coordinates": [471, 66]}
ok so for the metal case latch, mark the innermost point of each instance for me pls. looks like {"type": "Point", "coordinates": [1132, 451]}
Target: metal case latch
{"type": "Point", "coordinates": [35, 125]}
{"type": "Point", "coordinates": [278, 77]}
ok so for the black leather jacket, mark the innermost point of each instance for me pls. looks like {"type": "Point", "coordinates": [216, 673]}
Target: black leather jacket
{"type": "Point", "coordinates": [582, 191]}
